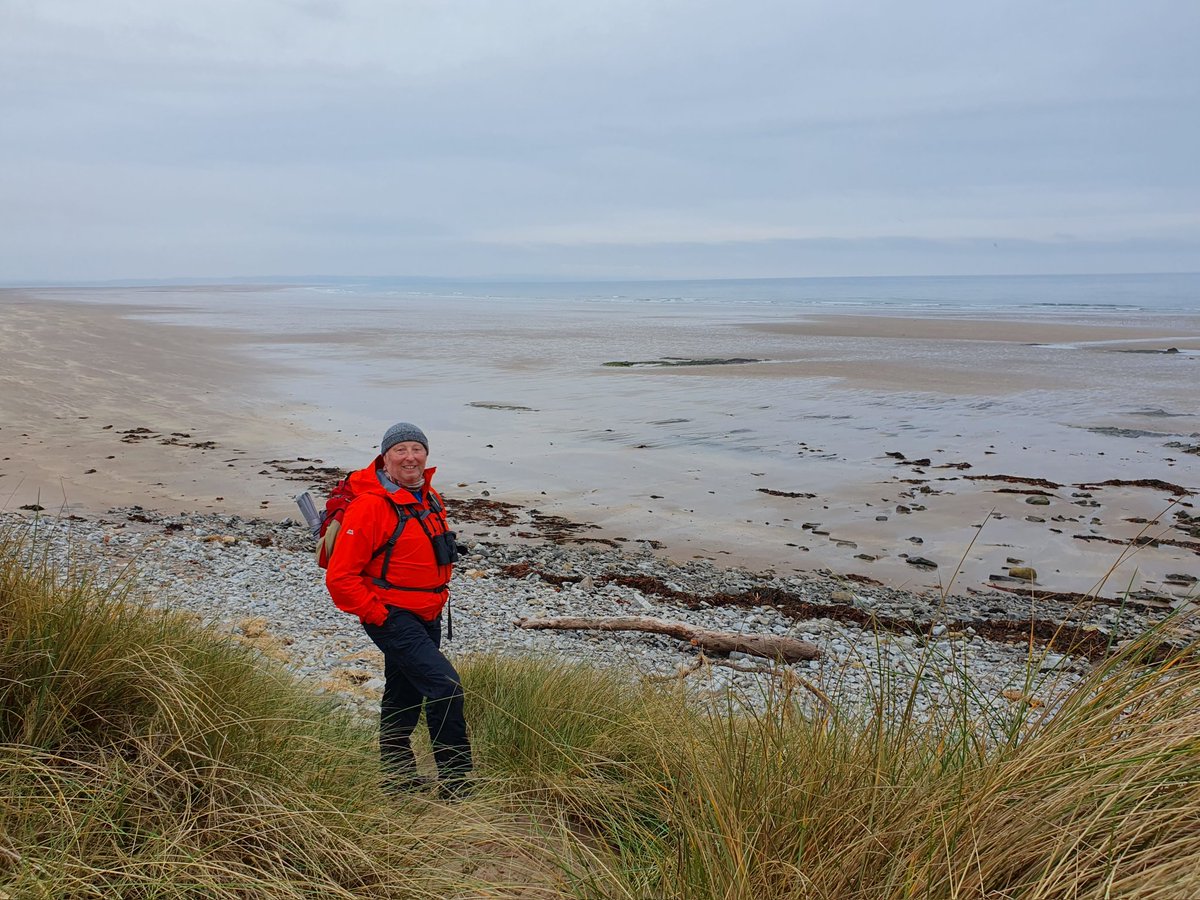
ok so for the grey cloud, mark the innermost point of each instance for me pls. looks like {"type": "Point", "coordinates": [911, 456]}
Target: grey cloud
{"type": "Point", "coordinates": [497, 125]}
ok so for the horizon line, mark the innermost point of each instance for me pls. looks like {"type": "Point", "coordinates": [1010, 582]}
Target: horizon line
{"type": "Point", "coordinates": [283, 280]}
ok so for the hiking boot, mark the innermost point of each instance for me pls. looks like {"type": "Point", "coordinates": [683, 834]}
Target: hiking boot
{"type": "Point", "coordinates": [455, 789]}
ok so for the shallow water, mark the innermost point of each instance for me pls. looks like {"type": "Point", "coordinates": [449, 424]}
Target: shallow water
{"type": "Point", "coordinates": [1010, 378]}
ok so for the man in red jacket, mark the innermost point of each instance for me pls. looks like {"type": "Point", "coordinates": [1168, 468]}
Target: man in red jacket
{"type": "Point", "coordinates": [391, 567]}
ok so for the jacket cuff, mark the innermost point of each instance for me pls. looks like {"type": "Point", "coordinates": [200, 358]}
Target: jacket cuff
{"type": "Point", "coordinates": [377, 616]}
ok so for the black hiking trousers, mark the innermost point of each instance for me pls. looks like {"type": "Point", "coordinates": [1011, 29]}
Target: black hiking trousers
{"type": "Point", "coordinates": [415, 674]}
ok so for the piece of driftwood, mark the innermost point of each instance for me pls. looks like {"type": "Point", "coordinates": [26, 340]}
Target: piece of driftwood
{"type": "Point", "coordinates": [768, 646]}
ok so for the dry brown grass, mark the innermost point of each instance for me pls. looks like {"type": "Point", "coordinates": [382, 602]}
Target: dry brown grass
{"type": "Point", "coordinates": [143, 757]}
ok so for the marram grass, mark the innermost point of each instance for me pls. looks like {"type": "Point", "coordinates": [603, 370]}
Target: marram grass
{"type": "Point", "coordinates": [143, 757]}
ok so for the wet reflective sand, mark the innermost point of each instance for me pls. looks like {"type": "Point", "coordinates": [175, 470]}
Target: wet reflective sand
{"type": "Point", "coordinates": [806, 459]}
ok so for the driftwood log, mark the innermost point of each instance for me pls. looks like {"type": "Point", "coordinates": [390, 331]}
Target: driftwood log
{"type": "Point", "coordinates": [767, 646]}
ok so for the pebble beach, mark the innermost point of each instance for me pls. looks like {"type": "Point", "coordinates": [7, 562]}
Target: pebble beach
{"type": "Point", "coordinates": [258, 582]}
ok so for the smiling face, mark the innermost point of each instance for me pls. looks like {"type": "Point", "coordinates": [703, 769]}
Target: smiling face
{"type": "Point", "coordinates": [404, 463]}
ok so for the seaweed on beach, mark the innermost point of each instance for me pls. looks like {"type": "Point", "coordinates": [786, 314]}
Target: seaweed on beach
{"type": "Point", "coordinates": [1056, 635]}
{"type": "Point", "coordinates": [671, 361]}
{"type": "Point", "coordinates": [324, 477]}
{"type": "Point", "coordinates": [1143, 541]}
{"type": "Point", "coordinates": [510, 407]}
{"type": "Point", "coordinates": [561, 530]}
{"type": "Point", "coordinates": [1016, 479]}
{"type": "Point", "coordinates": [1072, 598]}
{"type": "Point", "coordinates": [481, 509]}
{"type": "Point", "coordinates": [1157, 484]}
{"type": "Point", "coordinates": [556, 529]}
{"type": "Point", "coordinates": [790, 494]}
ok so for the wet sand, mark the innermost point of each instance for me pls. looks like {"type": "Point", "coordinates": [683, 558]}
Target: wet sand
{"type": "Point", "coordinates": [803, 461]}
{"type": "Point", "coordinates": [98, 410]}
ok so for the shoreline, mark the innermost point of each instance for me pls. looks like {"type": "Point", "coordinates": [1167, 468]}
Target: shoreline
{"type": "Point", "coordinates": [102, 407]}
{"type": "Point", "coordinates": [1064, 508]}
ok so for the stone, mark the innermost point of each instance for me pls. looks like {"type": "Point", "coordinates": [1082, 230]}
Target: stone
{"type": "Point", "coordinates": [1025, 573]}
{"type": "Point", "coordinates": [1038, 500]}
{"type": "Point", "coordinates": [1053, 662]}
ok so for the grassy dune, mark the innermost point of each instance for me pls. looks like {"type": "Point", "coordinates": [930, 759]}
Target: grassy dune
{"type": "Point", "coordinates": [143, 757]}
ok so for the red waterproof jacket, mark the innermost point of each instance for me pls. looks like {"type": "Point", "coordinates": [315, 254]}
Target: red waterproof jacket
{"type": "Point", "coordinates": [355, 569]}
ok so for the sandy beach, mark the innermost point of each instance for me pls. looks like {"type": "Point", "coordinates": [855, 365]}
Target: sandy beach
{"type": "Point", "coordinates": [858, 443]}
{"type": "Point", "coordinates": [98, 410]}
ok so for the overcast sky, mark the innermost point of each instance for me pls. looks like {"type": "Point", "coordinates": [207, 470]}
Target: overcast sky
{"type": "Point", "coordinates": [597, 138]}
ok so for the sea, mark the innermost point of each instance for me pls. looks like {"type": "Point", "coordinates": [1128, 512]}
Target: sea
{"type": "Point", "coordinates": [950, 294]}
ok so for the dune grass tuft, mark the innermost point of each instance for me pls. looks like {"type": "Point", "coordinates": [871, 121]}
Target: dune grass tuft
{"type": "Point", "coordinates": [144, 757]}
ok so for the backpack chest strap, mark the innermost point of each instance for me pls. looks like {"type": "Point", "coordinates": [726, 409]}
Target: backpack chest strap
{"type": "Point", "coordinates": [404, 512]}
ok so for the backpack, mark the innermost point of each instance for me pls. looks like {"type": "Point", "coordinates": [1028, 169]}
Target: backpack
{"type": "Point", "coordinates": [331, 520]}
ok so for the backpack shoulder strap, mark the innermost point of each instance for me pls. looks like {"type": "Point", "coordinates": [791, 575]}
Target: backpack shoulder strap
{"type": "Point", "coordinates": [404, 512]}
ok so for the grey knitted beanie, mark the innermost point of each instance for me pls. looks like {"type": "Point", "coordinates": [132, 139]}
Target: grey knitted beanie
{"type": "Point", "coordinates": [403, 431]}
